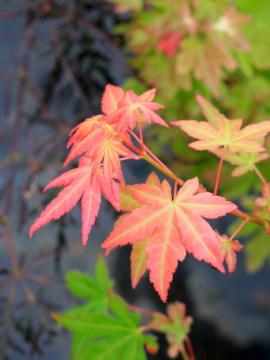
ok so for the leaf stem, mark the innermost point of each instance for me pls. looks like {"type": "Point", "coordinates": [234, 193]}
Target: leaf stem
{"type": "Point", "coordinates": [219, 170]}
{"type": "Point", "coordinates": [189, 348]}
{"type": "Point", "coordinates": [153, 162]}
{"type": "Point", "coordinates": [185, 355]}
{"type": "Point", "coordinates": [257, 171]}
{"type": "Point", "coordinates": [173, 176]}
{"type": "Point", "coordinates": [140, 310]}
{"type": "Point", "coordinates": [154, 326]}
{"type": "Point", "coordinates": [239, 228]}
{"type": "Point", "coordinates": [141, 134]}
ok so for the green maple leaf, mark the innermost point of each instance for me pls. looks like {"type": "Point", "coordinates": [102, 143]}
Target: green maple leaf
{"type": "Point", "coordinates": [108, 336]}
{"type": "Point", "coordinates": [245, 161]}
{"type": "Point", "coordinates": [94, 289]}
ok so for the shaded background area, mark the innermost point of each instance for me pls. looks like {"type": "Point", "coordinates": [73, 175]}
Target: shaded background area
{"type": "Point", "coordinates": [56, 58]}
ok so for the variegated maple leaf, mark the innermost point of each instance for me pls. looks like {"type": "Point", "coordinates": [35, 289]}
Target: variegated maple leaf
{"type": "Point", "coordinates": [97, 172]}
{"type": "Point", "coordinates": [111, 98]}
{"type": "Point", "coordinates": [173, 226]}
{"type": "Point", "coordinates": [176, 326]}
{"type": "Point", "coordinates": [85, 136]}
{"type": "Point", "coordinates": [133, 109]}
{"type": "Point", "coordinates": [228, 251]}
{"type": "Point", "coordinates": [222, 132]}
{"type": "Point", "coordinates": [80, 183]}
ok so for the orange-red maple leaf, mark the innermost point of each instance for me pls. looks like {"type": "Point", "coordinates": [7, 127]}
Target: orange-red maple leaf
{"type": "Point", "coordinates": [133, 108]}
{"type": "Point", "coordinates": [222, 132]}
{"type": "Point", "coordinates": [111, 98]}
{"type": "Point", "coordinates": [228, 251]}
{"type": "Point", "coordinates": [79, 183]}
{"type": "Point", "coordinates": [174, 227]}
{"type": "Point", "coordinates": [85, 136]}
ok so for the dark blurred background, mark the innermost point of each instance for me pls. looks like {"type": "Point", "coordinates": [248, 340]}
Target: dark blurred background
{"type": "Point", "coordinates": [56, 57]}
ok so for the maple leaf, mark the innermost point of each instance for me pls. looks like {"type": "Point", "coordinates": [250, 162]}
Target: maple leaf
{"type": "Point", "coordinates": [79, 183]}
{"type": "Point", "coordinates": [245, 161]}
{"type": "Point", "coordinates": [85, 136]}
{"type": "Point", "coordinates": [228, 251]}
{"type": "Point", "coordinates": [97, 140]}
{"type": "Point", "coordinates": [133, 108]}
{"type": "Point", "coordinates": [174, 227]}
{"type": "Point", "coordinates": [111, 98]}
{"type": "Point", "coordinates": [264, 201]}
{"type": "Point", "coordinates": [223, 132]}
{"type": "Point", "coordinates": [97, 172]}
{"type": "Point", "coordinates": [175, 326]}
{"type": "Point", "coordinates": [205, 58]}
{"type": "Point", "coordinates": [115, 335]}
{"type": "Point", "coordinates": [230, 24]}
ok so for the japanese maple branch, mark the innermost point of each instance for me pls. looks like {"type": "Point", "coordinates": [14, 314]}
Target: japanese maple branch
{"type": "Point", "coordinates": [163, 168]}
{"type": "Point", "coordinates": [148, 156]}
{"type": "Point", "coordinates": [154, 160]}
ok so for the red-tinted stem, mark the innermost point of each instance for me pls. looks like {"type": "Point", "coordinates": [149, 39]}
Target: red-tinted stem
{"type": "Point", "coordinates": [181, 182]}
{"type": "Point", "coordinates": [239, 228]}
{"type": "Point", "coordinates": [154, 326]}
{"type": "Point", "coordinates": [189, 348]}
{"type": "Point", "coordinates": [219, 170]}
{"type": "Point", "coordinates": [141, 134]}
{"type": "Point", "coordinates": [140, 310]}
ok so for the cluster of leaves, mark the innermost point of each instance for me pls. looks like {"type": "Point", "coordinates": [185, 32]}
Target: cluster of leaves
{"type": "Point", "coordinates": [191, 39]}
{"type": "Point", "coordinates": [160, 227]}
{"type": "Point", "coordinates": [196, 44]}
{"type": "Point", "coordinates": [106, 327]}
